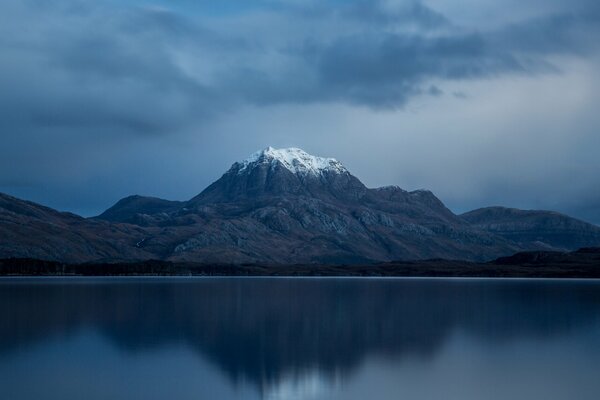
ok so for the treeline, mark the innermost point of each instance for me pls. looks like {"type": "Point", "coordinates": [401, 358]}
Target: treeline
{"type": "Point", "coordinates": [584, 263]}
{"type": "Point", "coordinates": [34, 267]}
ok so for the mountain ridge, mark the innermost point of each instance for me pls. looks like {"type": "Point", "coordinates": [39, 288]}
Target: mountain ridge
{"type": "Point", "coordinates": [549, 229]}
{"type": "Point", "coordinates": [280, 206]}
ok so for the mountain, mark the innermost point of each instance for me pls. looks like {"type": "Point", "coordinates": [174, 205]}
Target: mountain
{"type": "Point", "coordinates": [284, 172]}
{"type": "Point", "coordinates": [286, 206]}
{"type": "Point", "coordinates": [534, 228]}
{"type": "Point", "coordinates": [279, 206]}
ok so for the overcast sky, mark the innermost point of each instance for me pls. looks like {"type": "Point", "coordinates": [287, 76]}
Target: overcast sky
{"type": "Point", "coordinates": [483, 102]}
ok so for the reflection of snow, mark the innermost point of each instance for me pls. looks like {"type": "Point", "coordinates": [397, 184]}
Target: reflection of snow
{"type": "Point", "coordinates": [310, 385]}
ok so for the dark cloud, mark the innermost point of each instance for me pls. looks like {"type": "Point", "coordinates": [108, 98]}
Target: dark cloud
{"type": "Point", "coordinates": [563, 33]}
{"type": "Point", "coordinates": [385, 70]}
{"type": "Point", "coordinates": [96, 92]}
{"type": "Point", "coordinates": [383, 67]}
{"type": "Point", "coordinates": [99, 69]}
{"type": "Point", "coordinates": [99, 66]}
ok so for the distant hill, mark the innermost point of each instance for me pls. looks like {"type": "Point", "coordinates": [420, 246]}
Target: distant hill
{"type": "Point", "coordinates": [132, 209]}
{"type": "Point", "coordinates": [30, 230]}
{"type": "Point", "coordinates": [535, 229]}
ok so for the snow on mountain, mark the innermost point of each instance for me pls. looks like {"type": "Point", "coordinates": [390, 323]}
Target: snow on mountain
{"type": "Point", "coordinates": [294, 159]}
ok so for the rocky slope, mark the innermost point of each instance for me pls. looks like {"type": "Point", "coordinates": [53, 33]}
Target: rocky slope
{"type": "Point", "coordinates": [31, 230]}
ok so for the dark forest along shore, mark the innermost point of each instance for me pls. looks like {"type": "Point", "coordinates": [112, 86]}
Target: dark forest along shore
{"type": "Point", "coordinates": [582, 263]}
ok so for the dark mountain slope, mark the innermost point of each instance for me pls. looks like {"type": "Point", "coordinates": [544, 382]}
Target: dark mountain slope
{"type": "Point", "coordinates": [30, 230]}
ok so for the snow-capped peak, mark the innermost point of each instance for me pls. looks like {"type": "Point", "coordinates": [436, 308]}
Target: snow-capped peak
{"type": "Point", "coordinates": [294, 159]}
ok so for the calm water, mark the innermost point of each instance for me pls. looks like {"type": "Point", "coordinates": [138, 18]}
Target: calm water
{"type": "Point", "coordinates": [299, 339]}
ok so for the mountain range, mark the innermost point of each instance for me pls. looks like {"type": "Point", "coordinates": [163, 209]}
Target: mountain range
{"type": "Point", "coordinates": [284, 206]}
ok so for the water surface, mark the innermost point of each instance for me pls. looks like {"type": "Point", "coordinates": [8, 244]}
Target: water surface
{"type": "Point", "coordinates": [332, 338]}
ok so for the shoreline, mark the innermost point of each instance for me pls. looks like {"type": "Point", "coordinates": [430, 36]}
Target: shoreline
{"type": "Point", "coordinates": [580, 264]}
{"type": "Point", "coordinates": [425, 269]}
{"type": "Point", "coordinates": [15, 278]}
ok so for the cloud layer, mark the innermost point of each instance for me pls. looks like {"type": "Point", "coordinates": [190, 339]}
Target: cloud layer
{"type": "Point", "coordinates": [106, 98]}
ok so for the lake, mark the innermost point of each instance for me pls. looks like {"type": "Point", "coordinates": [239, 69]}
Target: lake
{"type": "Point", "coordinates": [298, 338]}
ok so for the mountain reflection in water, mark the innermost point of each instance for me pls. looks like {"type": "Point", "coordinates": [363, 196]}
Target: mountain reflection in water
{"type": "Point", "coordinates": [290, 338]}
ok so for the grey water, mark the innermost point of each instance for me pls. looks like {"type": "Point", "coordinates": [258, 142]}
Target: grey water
{"type": "Point", "coordinates": [262, 338]}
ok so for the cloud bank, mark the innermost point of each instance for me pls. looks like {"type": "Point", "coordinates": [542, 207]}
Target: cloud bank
{"type": "Point", "coordinates": [106, 98]}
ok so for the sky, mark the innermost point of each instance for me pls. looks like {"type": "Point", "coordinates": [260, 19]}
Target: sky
{"type": "Point", "coordinates": [480, 101]}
